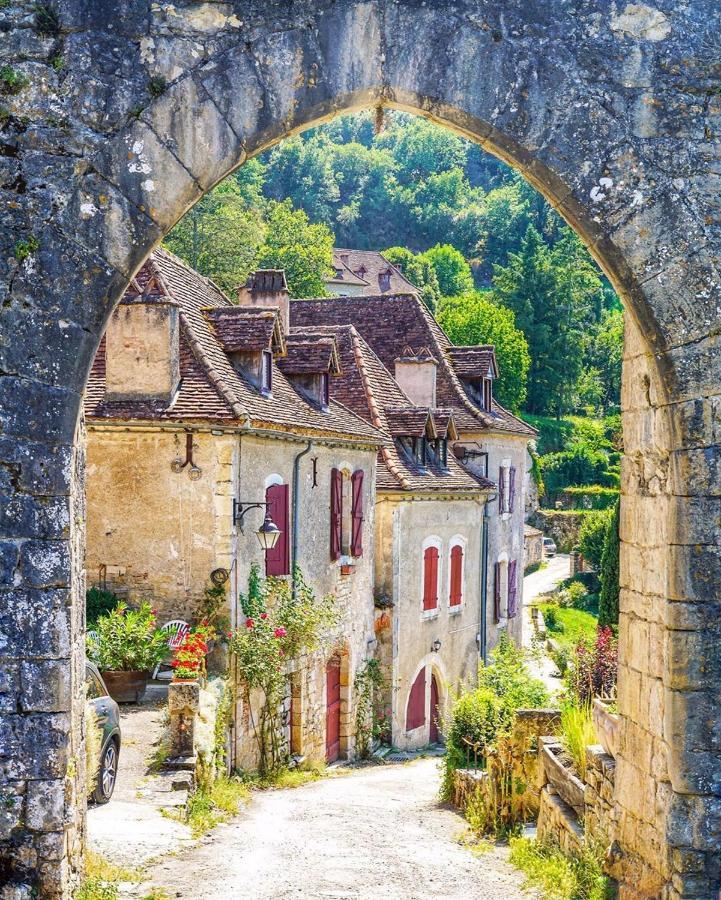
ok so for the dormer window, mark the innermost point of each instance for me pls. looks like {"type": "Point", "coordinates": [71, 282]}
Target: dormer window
{"type": "Point", "coordinates": [325, 390]}
{"type": "Point", "coordinates": [266, 373]}
{"type": "Point", "coordinates": [415, 450]}
{"type": "Point", "coordinates": [384, 281]}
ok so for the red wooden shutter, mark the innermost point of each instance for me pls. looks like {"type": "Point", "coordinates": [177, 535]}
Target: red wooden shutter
{"type": "Point", "coordinates": [497, 592]}
{"type": "Point", "coordinates": [512, 588]}
{"type": "Point", "coordinates": [501, 490]}
{"type": "Point", "coordinates": [430, 578]}
{"type": "Point", "coordinates": [416, 708]}
{"type": "Point", "coordinates": [336, 513]}
{"type": "Point", "coordinates": [456, 573]}
{"type": "Point", "coordinates": [356, 538]}
{"type": "Point", "coordinates": [511, 488]}
{"type": "Point", "coordinates": [277, 560]}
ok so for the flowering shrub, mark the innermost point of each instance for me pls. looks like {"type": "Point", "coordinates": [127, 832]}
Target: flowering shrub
{"type": "Point", "coordinates": [594, 669]}
{"type": "Point", "coordinates": [278, 627]}
{"type": "Point", "coordinates": [127, 640]}
{"type": "Point", "coordinates": [189, 658]}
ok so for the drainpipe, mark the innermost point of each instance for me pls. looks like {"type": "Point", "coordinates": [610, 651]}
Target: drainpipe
{"type": "Point", "coordinates": [296, 513]}
{"type": "Point", "coordinates": [484, 578]}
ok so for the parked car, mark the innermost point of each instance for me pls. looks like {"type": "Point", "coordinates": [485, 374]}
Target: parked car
{"type": "Point", "coordinates": [549, 547]}
{"type": "Point", "coordinates": [108, 715]}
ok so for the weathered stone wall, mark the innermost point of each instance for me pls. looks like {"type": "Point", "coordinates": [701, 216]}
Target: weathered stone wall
{"type": "Point", "coordinates": [563, 525]}
{"type": "Point", "coordinates": [611, 109]}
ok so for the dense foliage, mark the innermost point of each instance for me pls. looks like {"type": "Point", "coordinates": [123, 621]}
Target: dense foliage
{"type": "Point", "coordinates": [474, 318]}
{"type": "Point", "coordinates": [608, 601]}
{"type": "Point", "coordinates": [98, 602]}
{"type": "Point", "coordinates": [479, 716]}
{"type": "Point", "coordinates": [127, 640]}
{"type": "Point", "coordinates": [456, 220]}
{"type": "Point", "coordinates": [593, 668]}
{"type": "Point", "coordinates": [592, 537]}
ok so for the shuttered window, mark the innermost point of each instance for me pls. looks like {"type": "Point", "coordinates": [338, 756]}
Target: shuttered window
{"type": "Point", "coordinates": [336, 513]}
{"type": "Point", "coordinates": [502, 489]}
{"type": "Point", "coordinates": [456, 597]}
{"type": "Point", "coordinates": [277, 560]}
{"type": "Point", "coordinates": [430, 578]}
{"type": "Point", "coordinates": [497, 592]}
{"type": "Point", "coordinates": [356, 537]}
{"type": "Point", "coordinates": [512, 589]}
{"type": "Point", "coordinates": [416, 708]}
{"type": "Point", "coordinates": [511, 488]}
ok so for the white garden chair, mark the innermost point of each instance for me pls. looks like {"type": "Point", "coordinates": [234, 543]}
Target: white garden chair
{"type": "Point", "coordinates": [177, 631]}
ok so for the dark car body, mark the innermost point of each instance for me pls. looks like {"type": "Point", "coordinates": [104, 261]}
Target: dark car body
{"type": "Point", "coordinates": [108, 717]}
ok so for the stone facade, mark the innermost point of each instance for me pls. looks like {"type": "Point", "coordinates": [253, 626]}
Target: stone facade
{"type": "Point", "coordinates": [610, 109]}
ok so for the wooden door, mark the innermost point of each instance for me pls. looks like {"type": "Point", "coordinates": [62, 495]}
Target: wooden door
{"type": "Point", "coordinates": [416, 707]}
{"type": "Point", "coordinates": [434, 736]}
{"type": "Point", "coordinates": [332, 713]}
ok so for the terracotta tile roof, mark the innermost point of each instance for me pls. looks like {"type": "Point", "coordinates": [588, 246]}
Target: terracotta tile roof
{"type": "Point", "coordinates": [473, 362]}
{"type": "Point", "coordinates": [310, 355]}
{"type": "Point", "coordinates": [389, 323]}
{"type": "Point", "coordinates": [368, 388]}
{"type": "Point", "coordinates": [246, 328]}
{"type": "Point", "coordinates": [445, 424]}
{"type": "Point", "coordinates": [410, 421]}
{"type": "Point", "coordinates": [210, 389]}
{"type": "Point", "coordinates": [368, 270]}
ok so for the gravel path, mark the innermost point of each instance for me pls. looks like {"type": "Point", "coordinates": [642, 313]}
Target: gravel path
{"type": "Point", "coordinates": [373, 833]}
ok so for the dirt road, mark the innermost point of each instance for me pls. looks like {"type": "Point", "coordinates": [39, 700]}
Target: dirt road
{"type": "Point", "coordinates": [373, 833]}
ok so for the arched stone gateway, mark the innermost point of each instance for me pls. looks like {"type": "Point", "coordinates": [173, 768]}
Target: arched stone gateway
{"type": "Point", "coordinates": [612, 110]}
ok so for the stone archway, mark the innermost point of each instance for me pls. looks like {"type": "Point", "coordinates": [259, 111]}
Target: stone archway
{"type": "Point", "coordinates": [610, 110]}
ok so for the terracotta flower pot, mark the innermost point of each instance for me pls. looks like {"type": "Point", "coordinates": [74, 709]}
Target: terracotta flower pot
{"type": "Point", "coordinates": [607, 725]}
{"type": "Point", "coordinates": [126, 687]}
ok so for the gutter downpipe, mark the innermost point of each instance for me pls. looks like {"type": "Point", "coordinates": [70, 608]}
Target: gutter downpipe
{"type": "Point", "coordinates": [484, 578]}
{"type": "Point", "coordinates": [296, 514]}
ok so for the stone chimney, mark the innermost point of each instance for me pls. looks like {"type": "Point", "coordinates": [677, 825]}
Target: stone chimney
{"type": "Point", "coordinates": [267, 288]}
{"type": "Point", "coordinates": [142, 355]}
{"type": "Point", "coordinates": [416, 375]}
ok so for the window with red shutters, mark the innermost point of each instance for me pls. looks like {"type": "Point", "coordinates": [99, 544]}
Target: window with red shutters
{"type": "Point", "coordinates": [356, 537]}
{"type": "Point", "coordinates": [277, 560]}
{"type": "Point", "coordinates": [497, 592]}
{"type": "Point", "coordinates": [430, 578]}
{"type": "Point", "coordinates": [456, 597]}
{"type": "Point", "coordinates": [416, 708]}
{"type": "Point", "coordinates": [511, 488]}
{"type": "Point", "coordinates": [336, 514]}
{"type": "Point", "coordinates": [502, 489]}
{"type": "Point", "coordinates": [512, 589]}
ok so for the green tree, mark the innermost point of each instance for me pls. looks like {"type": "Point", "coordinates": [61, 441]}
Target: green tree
{"type": "Point", "coordinates": [610, 567]}
{"type": "Point", "coordinates": [603, 353]}
{"type": "Point", "coordinates": [592, 535]}
{"type": "Point", "coordinates": [453, 272]}
{"type": "Point", "coordinates": [419, 271]}
{"type": "Point", "coordinates": [221, 235]}
{"type": "Point", "coordinates": [473, 318]}
{"type": "Point", "coordinates": [302, 249]}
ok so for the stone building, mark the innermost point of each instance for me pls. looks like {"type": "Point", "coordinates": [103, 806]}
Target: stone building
{"type": "Point", "coordinates": [196, 406]}
{"type": "Point", "coordinates": [490, 443]}
{"type": "Point", "coordinates": [450, 570]}
{"type": "Point", "coordinates": [363, 273]}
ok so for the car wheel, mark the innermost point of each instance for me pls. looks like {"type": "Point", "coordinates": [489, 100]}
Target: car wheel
{"type": "Point", "coordinates": [107, 774]}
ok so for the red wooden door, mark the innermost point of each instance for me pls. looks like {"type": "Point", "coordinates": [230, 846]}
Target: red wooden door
{"type": "Point", "coordinates": [416, 708]}
{"type": "Point", "coordinates": [332, 712]}
{"type": "Point", "coordinates": [434, 733]}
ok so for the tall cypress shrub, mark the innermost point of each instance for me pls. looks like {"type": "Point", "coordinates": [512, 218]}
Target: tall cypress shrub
{"type": "Point", "coordinates": [608, 600]}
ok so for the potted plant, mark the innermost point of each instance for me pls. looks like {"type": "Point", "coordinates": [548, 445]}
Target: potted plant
{"type": "Point", "coordinates": [189, 658]}
{"type": "Point", "coordinates": [126, 648]}
{"type": "Point", "coordinates": [607, 724]}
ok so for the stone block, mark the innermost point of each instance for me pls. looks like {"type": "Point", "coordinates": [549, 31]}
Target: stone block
{"type": "Point", "coordinates": [9, 555]}
{"type": "Point", "coordinates": [45, 805]}
{"type": "Point", "coordinates": [45, 686]}
{"type": "Point", "coordinates": [45, 564]}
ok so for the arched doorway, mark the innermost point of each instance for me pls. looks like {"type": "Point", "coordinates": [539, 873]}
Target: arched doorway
{"type": "Point", "coordinates": [551, 94]}
{"type": "Point", "coordinates": [332, 709]}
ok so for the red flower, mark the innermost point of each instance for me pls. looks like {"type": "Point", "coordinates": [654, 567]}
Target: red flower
{"type": "Point", "coordinates": [264, 615]}
{"type": "Point", "coordinates": [280, 632]}
{"type": "Point", "coordinates": [230, 634]}
{"type": "Point", "coordinates": [249, 623]}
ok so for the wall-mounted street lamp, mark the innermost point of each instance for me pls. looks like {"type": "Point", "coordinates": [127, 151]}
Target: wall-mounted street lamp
{"type": "Point", "coordinates": [436, 646]}
{"type": "Point", "coordinates": [268, 533]}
